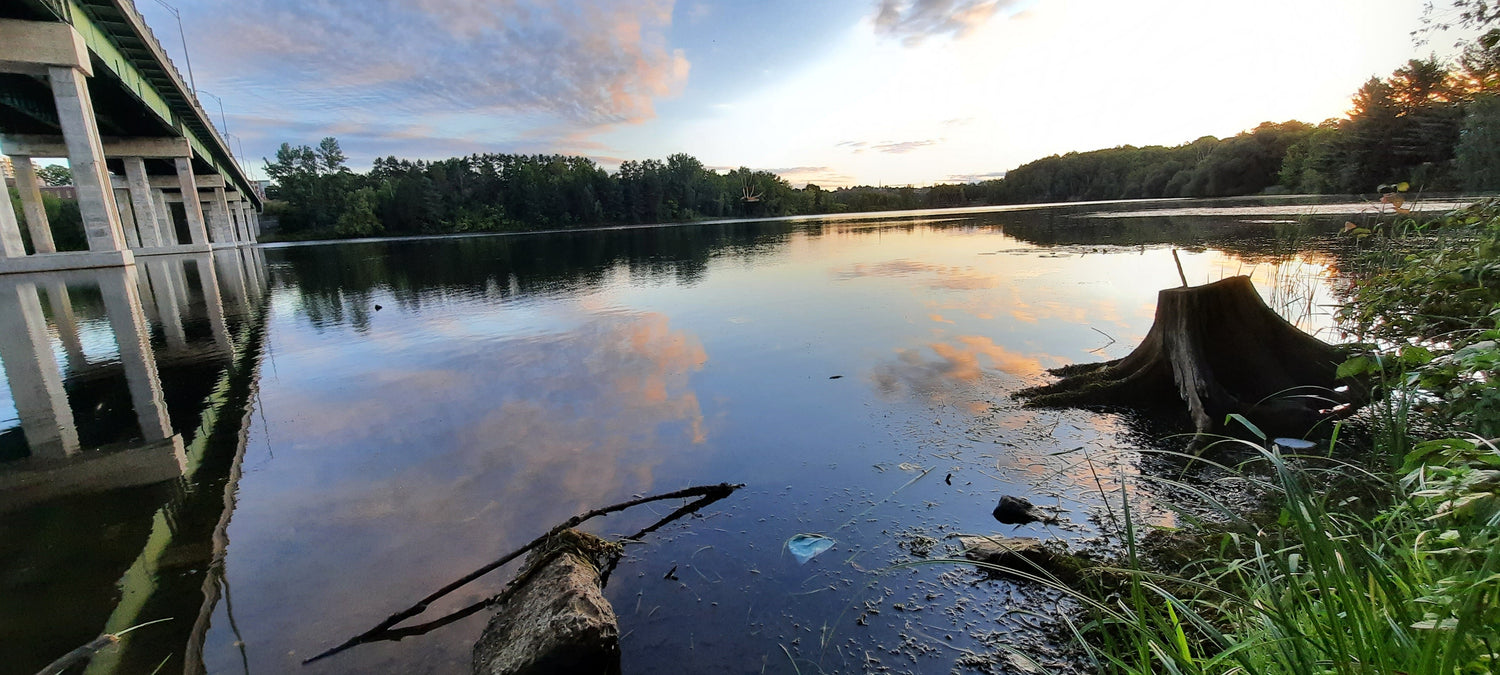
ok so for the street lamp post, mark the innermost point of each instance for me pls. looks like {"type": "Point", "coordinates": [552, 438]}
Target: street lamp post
{"type": "Point", "coordinates": [222, 119]}
{"type": "Point", "coordinates": [183, 36]}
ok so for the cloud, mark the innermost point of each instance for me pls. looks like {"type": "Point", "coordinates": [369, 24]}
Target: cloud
{"type": "Point", "coordinates": [892, 147]}
{"type": "Point", "coordinates": [973, 177]}
{"type": "Point", "coordinates": [903, 147]}
{"type": "Point", "coordinates": [800, 176]}
{"type": "Point", "coordinates": [507, 64]}
{"type": "Point", "coordinates": [913, 21]}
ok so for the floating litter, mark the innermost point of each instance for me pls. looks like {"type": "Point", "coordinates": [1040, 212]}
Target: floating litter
{"type": "Point", "coordinates": [805, 547]}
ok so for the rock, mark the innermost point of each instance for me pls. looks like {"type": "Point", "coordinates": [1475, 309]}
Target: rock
{"type": "Point", "coordinates": [1019, 511]}
{"type": "Point", "coordinates": [1022, 554]}
{"type": "Point", "coordinates": [558, 620]}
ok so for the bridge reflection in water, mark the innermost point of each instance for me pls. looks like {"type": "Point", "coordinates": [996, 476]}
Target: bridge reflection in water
{"type": "Point", "coordinates": [132, 389]}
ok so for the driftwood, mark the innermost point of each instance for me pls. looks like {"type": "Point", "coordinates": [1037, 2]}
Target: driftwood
{"type": "Point", "coordinates": [386, 630]}
{"type": "Point", "coordinates": [558, 620]}
{"type": "Point", "coordinates": [1218, 350]}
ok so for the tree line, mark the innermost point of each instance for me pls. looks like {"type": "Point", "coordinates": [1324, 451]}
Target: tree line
{"type": "Point", "coordinates": [1431, 123]}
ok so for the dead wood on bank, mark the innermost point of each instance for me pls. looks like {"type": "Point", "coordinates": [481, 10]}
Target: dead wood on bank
{"type": "Point", "coordinates": [1218, 350]}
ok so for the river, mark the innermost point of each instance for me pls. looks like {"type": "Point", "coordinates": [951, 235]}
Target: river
{"type": "Point", "coordinates": [276, 447]}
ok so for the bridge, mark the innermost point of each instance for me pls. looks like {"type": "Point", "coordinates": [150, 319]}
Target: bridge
{"type": "Point", "coordinates": [87, 81]}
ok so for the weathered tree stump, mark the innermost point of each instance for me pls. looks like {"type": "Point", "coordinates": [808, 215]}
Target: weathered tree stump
{"type": "Point", "coordinates": [1216, 349]}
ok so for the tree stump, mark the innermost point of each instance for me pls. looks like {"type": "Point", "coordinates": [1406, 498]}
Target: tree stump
{"type": "Point", "coordinates": [1217, 349]}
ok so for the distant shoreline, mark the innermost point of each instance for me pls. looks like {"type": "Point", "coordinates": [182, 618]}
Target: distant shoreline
{"type": "Point", "coordinates": [1330, 201]}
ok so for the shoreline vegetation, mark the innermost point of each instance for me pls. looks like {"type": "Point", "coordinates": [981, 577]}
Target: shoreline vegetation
{"type": "Point", "coordinates": [1375, 551]}
{"type": "Point", "coordinates": [1432, 124]}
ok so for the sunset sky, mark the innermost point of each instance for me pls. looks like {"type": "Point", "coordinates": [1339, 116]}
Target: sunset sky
{"type": "Point", "coordinates": [836, 92]}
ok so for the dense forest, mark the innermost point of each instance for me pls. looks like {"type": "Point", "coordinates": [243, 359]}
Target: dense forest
{"type": "Point", "coordinates": [1431, 123]}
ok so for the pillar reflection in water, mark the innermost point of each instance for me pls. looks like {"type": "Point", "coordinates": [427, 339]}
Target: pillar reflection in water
{"type": "Point", "coordinates": [186, 330]}
{"type": "Point", "coordinates": [31, 369]}
{"type": "Point", "coordinates": [55, 462]}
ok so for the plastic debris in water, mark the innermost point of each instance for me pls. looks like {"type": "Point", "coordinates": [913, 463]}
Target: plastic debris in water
{"type": "Point", "coordinates": [805, 547]}
{"type": "Point", "coordinates": [1294, 444]}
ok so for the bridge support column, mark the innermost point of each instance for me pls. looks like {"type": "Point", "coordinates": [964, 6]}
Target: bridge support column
{"type": "Point", "coordinates": [220, 227]}
{"type": "Point", "coordinates": [236, 220]}
{"type": "Point", "coordinates": [11, 245]}
{"type": "Point", "coordinates": [30, 367]}
{"type": "Point", "coordinates": [164, 224]}
{"type": "Point", "coordinates": [127, 219]}
{"type": "Point", "coordinates": [197, 231]}
{"type": "Point", "coordinates": [96, 200]}
{"type": "Point", "coordinates": [141, 203]}
{"type": "Point", "coordinates": [31, 204]}
{"type": "Point", "coordinates": [247, 231]}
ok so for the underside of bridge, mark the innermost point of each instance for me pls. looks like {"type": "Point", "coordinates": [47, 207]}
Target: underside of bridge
{"type": "Point", "coordinates": [86, 80]}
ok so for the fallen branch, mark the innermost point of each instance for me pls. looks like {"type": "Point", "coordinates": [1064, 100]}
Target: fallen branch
{"type": "Point", "coordinates": [385, 630]}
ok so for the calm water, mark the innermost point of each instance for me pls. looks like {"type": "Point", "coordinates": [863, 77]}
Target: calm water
{"type": "Point", "coordinates": [275, 448]}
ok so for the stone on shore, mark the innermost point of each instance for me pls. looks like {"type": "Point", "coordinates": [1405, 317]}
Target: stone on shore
{"type": "Point", "coordinates": [1026, 555]}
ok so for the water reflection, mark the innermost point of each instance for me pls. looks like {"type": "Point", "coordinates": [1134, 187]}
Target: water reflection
{"type": "Point", "coordinates": [425, 405]}
{"type": "Point", "coordinates": [116, 477]}
{"type": "Point", "coordinates": [963, 359]}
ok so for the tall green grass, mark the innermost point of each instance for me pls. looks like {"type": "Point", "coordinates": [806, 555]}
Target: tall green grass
{"type": "Point", "coordinates": [1329, 582]}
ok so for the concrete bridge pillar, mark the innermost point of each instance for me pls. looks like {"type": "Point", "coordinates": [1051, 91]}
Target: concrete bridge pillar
{"type": "Point", "coordinates": [220, 228]}
{"type": "Point", "coordinates": [165, 228]}
{"type": "Point", "coordinates": [127, 218]}
{"type": "Point", "coordinates": [32, 371]}
{"type": "Point", "coordinates": [31, 204]}
{"type": "Point", "coordinates": [197, 231]}
{"type": "Point", "coordinates": [141, 203]}
{"type": "Point", "coordinates": [247, 222]}
{"type": "Point", "coordinates": [11, 245]}
{"type": "Point", "coordinates": [236, 219]}
{"type": "Point", "coordinates": [96, 200]}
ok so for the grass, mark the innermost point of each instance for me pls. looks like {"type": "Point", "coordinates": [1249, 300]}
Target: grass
{"type": "Point", "coordinates": [1388, 564]}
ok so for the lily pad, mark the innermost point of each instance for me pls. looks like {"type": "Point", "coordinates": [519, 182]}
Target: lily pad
{"type": "Point", "coordinates": [805, 547]}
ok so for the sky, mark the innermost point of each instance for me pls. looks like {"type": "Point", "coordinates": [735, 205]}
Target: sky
{"type": "Point", "coordinates": [834, 92]}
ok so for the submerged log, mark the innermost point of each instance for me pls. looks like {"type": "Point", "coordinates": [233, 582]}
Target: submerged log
{"type": "Point", "coordinates": [557, 620]}
{"type": "Point", "coordinates": [1216, 349]}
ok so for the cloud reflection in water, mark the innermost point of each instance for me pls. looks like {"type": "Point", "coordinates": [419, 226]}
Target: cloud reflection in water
{"type": "Point", "coordinates": [444, 457]}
